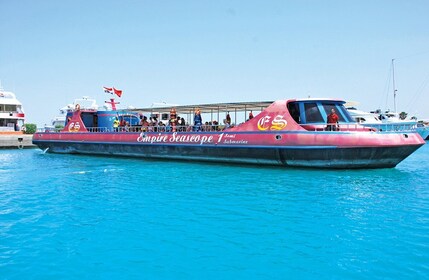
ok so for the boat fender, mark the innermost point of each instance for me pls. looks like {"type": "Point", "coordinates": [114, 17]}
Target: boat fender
{"type": "Point", "coordinates": [77, 107]}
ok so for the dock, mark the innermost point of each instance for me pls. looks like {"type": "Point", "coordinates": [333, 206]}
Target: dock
{"type": "Point", "coordinates": [16, 140]}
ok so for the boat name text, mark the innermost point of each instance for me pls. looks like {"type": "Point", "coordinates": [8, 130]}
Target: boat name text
{"type": "Point", "coordinates": [174, 138]}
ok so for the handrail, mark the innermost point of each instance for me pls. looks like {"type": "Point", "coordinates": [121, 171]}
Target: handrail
{"type": "Point", "coordinates": [382, 127]}
{"type": "Point", "coordinates": [98, 129]}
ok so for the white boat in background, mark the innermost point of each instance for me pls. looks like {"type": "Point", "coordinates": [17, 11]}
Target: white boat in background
{"type": "Point", "coordinates": [423, 129]}
{"type": "Point", "coordinates": [363, 117]}
{"type": "Point", "coordinates": [387, 121]}
{"type": "Point", "coordinates": [60, 120]}
{"type": "Point", "coordinates": [12, 115]}
{"type": "Point", "coordinates": [85, 103]}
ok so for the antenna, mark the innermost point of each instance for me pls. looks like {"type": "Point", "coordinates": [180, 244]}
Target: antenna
{"type": "Point", "coordinates": [394, 88]}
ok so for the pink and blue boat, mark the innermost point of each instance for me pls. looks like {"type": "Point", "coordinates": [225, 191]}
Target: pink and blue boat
{"type": "Point", "coordinates": [290, 133]}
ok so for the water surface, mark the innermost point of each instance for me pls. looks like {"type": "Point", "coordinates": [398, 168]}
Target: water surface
{"type": "Point", "coordinates": [70, 216]}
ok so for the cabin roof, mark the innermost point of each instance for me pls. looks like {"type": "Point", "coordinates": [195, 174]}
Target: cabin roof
{"type": "Point", "coordinates": [208, 108]}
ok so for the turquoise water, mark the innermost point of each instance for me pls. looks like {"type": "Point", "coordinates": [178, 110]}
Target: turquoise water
{"type": "Point", "coordinates": [68, 217]}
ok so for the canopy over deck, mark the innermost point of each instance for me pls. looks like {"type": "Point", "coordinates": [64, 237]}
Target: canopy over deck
{"type": "Point", "coordinates": [210, 108]}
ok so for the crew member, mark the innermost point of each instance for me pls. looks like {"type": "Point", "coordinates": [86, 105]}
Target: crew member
{"type": "Point", "coordinates": [332, 121]}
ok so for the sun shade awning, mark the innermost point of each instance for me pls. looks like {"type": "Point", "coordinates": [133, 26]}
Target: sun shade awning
{"type": "Point", "coordinates": [209, 108]}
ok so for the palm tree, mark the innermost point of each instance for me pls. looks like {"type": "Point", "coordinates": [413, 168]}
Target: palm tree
{"type": "Point", "coordinates": [403, 115]}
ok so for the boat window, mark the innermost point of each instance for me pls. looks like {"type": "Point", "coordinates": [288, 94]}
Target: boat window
{"type": "Point", "coordinates": [293, 108]}
{"type": "Point", "coordinates": [165, 116]}
{"type": "Point", "coordinates": [341, 111]}
{"type": "Point", "coordinates": [88, 119]}
{"type": "Point", "coordinates": [131, 119]}
{"type": "Point", "coordinates": [10, 108]}
{"type": "Point", "coordinates": [312, 113]}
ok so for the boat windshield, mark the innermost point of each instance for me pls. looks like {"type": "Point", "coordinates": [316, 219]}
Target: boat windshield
{"type": "Point", "coordinates": [317, 111]}
{"type": "Point", "coordinates": [342, 112]}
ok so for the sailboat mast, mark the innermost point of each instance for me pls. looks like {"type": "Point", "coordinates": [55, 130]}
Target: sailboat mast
{"type": "Point", "coordinates": [394, 88]}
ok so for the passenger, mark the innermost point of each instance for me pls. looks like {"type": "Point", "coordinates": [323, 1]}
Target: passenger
{"type": "Point", "coordinates": [144, 124]}
{"type": "Point", "coordinates": [205, 126]}
{"type": "Point", "coordinates": [161, 127]}
{"type": "Point", "coordinates": [115, 124]}
{"type": "Point", "coordinates": [198, 120]}
{"type": "Point", "coordinates": [250, 115]}
{"type": "Point", "coordinates": [173, 119]}
{"type": "Point", "coordinates": [182, 120]}
{"type": "Point", "coordinates": [226, 125]}
{"type": "Point", "coordinates": [228, 119]}
{"type": "Point", "coordinates": [332, 121]}
{"type": "Point", "coordinates": [127, 127]}
{"type": "Point", "coordinates": [122, 123]}
{"type": "Point", "coordinates": [153, 124]}
{"type": "Point", "coordinates": [215, 126]}
{"type": "Point", "coordinates": [180, 124]}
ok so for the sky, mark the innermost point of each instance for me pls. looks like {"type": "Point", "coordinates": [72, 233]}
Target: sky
{"type": "Point", "coordinates": [192, 52]}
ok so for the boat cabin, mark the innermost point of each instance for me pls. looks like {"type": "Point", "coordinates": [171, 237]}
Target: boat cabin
{"type": "Point", "coordinates": [312, 114]}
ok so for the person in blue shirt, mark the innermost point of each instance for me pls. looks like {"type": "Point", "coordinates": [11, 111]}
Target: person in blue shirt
{"type": "Point", "coordinates": [198, 120]}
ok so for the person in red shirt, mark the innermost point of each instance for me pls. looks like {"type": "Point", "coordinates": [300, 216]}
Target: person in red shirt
{"type": "Point", "coordinates": [332, 121]}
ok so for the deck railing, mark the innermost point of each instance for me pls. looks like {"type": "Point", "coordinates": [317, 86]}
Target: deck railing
{"type": "Point", "coordinates": [385, 127]}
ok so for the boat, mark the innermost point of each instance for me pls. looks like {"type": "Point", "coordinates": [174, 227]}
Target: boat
{"type": "Point", "coordinates": [423, 129]}
{"type": "Point", "coordinates": [87, 103]}
{"type": "Point", "coordinates": [388, 121]}
{"type": "Point", "coordinates": [12, 116]}
{"type": "Point", "coordinates": [284, 133]}
{"type": "Point", "coordinates": [363, 117]}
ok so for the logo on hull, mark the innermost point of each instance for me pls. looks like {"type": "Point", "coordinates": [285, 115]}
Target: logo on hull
{"type": "Point", "coordinates": [278, 123]}
{"type": "Point", "coordinates": [74, 127]}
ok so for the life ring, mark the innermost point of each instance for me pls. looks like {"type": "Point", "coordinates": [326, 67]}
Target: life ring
{"type": "Point", "coordinates": [77, 107]}
{"type": "Point", "coordinates": [20, 146]}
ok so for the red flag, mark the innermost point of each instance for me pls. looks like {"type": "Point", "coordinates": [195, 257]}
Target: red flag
{"type": "Point", "coordinates": [117, 92]}
{"type": "Point", "coordinates": [108, 90]}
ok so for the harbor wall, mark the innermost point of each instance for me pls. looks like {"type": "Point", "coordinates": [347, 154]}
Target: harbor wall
{"type": "Point", "coordinates": [16, 140]}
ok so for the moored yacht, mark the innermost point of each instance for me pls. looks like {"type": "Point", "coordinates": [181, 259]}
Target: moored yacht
{"type": "Point", "coordinates": [12, 115]}
{"type": "Point", "coordinates": [388, 121]}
